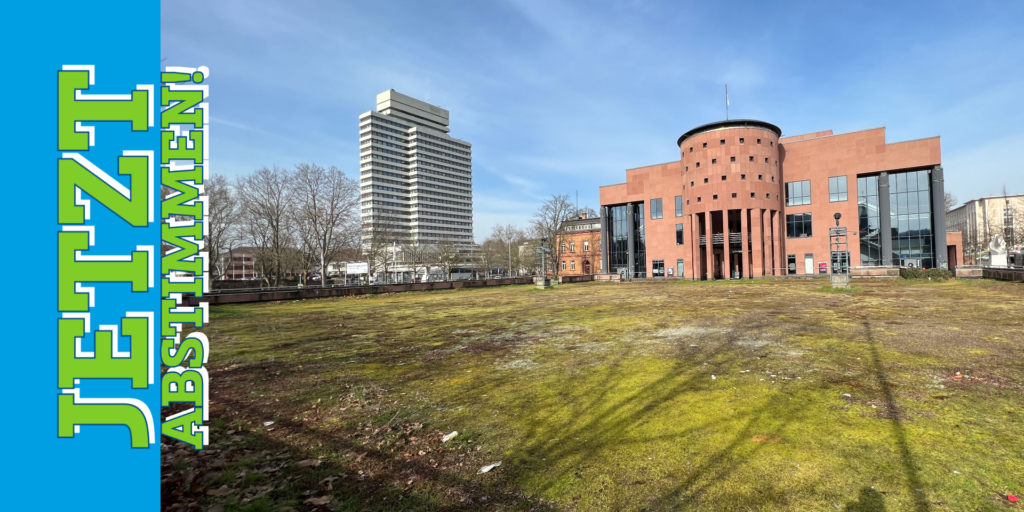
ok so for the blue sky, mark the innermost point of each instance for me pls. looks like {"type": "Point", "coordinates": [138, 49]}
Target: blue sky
{"type": "Point", "coordinates": [559, 97]}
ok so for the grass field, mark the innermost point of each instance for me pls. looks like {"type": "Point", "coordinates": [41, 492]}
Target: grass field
{"type": "Point", "coordinates": [764, 395]}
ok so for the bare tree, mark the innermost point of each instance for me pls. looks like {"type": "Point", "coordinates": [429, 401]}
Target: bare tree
{"type": "Point", "coordinates": [547, 220]}
{"type": "Point", "coordinates": [378, 242]}
{"type": "Point", "coordinates": [223, 214]}
{"type": "Point", "coordinates": [586, 210]}
{"type": "Point", "coordinates": [326, 212]}
{"type": "Point", "coordinates": [529, 260]}
{"type": "Point", "coordinates": [446, 255]}
{"type": "Point", "coordinates": [265, 200]}
{"type": "Point", "coordinates": [414, 255]}
{"type": "Point", "coordinates": [492, 255]}
{"type": "Point", "coordinates": [950, 201]}
{"type": "Point", "coordinates": [509, 237]}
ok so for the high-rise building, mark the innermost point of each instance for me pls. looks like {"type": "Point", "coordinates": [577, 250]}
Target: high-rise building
{"type": "Point", "coordinates": [417, 180]}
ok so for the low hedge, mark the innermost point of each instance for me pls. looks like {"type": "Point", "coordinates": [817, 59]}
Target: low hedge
{"type": "Point", "coordinates": [933, 274]}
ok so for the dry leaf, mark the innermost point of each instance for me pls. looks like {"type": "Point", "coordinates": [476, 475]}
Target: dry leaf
{"type": "Point", "coordinates": [323, 500]}
{"type": "Point", "coordinates": [309, 462]}
{"type": "Point", "coordinates": [223, 491]}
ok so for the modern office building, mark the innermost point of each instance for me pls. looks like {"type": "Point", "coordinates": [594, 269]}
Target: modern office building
{"type": "Point", "coordinates": [743, 201]}
{"type": "Point", "coordinates": [415, 177]}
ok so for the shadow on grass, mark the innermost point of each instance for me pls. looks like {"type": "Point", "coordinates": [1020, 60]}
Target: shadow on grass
{"type": "Point", "coordinates": [610, 428]}
{"type": "Point", "coordinates": [371, 481]}
{"type": "Point", "coordinates": [899, 433]}
{"type": "Point", "coordinates": [869, 500]}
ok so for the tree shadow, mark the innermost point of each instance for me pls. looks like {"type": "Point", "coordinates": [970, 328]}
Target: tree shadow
{"type": "Point", "coordinates": [610, 428]}
{"type": "Point", "coordinates": [869, 500]}
{"type": "Point", "coordinates": [899, 433]}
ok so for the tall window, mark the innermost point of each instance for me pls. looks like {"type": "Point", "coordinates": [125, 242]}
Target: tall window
{"type": "Point", "coordinates": [679, 206]}
{"type": "Point", "coordinates": [910, 215]}
{"type": "Point", "coordinates": [798, 225]}
{"type": "Point", "coordinates": [639, 242]}
{"type": "Point", "coordinates": [572, 265]}
{"type": "Point", "coordinates": [870, 226]}
{"type": "Point", "coordinates": [679, 234]}
{"type": "Point", "coordinates": [572, 246]}
{"type": "Point", "coordinates": [798, 193]}
{"type": "Point", "coordinates": [563, 265]}
{"type": "Point", "coordinates": [656, 209]}
{"type": "Point", "coordinates": [679, 268]}
{"type": "Point", "coordinates": [586, 246]}
{"type": "Point", "coordinates": [618, 238]}
{"type": "Point", "coordinates": [837, 189]}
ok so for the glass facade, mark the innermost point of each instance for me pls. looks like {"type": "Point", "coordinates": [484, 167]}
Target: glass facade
{"type": "Point", "coordinates": [910, 214]}
{"type": "Point", "coordinates": [618, 239]}
{"type": "Point", "coordinates": [619, 224]}
{"type": "Point", "coordinates": [639, 242]}
{"type": "Point", "coordinates": [870, 226]}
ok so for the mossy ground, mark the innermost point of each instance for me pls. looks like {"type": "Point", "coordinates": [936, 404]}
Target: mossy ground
{"type": "Point", "coordinates": [764, 395]}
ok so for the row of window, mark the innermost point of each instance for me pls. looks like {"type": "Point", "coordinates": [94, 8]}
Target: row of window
{"type": "Point", "coordinates": [743, 177]}
{"type": "Point", "coordinates": [656, 205]}
{"type": "Point", "coordinates": [753, 195]}
{"type": "Point", "coordinates": [714, 161]}
{"type": "Point", "coordinates": [742, 141]}
{"type": "Point", "coordinates": [798, 193]}
{"type": "Point", "coordinates": [571, 246]}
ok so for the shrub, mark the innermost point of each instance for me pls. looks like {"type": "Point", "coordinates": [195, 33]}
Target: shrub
{"type": "Point", "coordinates": [932, 274]}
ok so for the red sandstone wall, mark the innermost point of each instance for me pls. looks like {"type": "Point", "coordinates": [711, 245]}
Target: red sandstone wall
{"type": "Point", "coordinates": [816, 156]}
{"type": "Point", "coordinates": [847, 154]}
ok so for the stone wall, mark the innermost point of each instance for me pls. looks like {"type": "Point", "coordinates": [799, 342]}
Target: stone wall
{"type": "Point", "coordinates": [345, 291]}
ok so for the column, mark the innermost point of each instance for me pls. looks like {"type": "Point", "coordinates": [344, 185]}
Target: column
{"type": "Point", "coordinates": [768, 240]}
{"type": "Point", "coordinates": [690, 241]}
{"type": "Point", "coordinates": [602, 245]}
{"type": "Point", "coordinates": [884, 222]}
{"type": "Point", "coordinates": [709, 245]}
{"type": "Point", "coordinates": [939, 218]}
{"type": "Point", "coordinates": [756, 253]}
{"type": "Point", "coordinates": [630, 239]}
{"type": "Point", "coordinates": [726, 246]}
{"type": "Point", "coordinates": [694, 242]}
{"type": "Point", "coordinates": [780, 240]}
{"type": "Point", "coordinates": [744, 251]}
